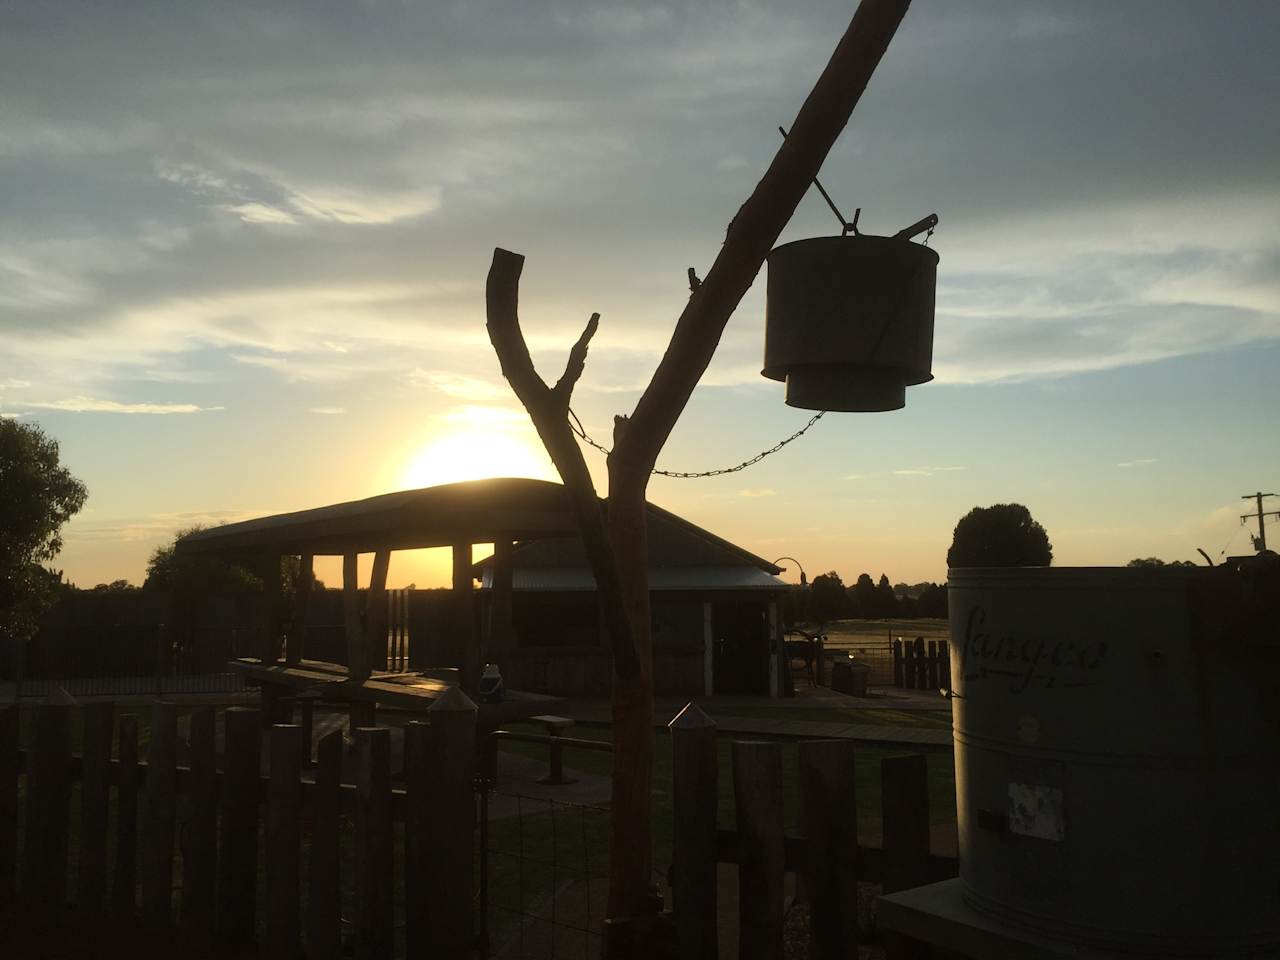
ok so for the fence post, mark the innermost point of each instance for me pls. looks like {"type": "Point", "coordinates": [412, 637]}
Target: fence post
{"type": "Point", "coordinates": [284, 841]}
{"type": "Point", "coordinates": [44, 857]}
{"type": "Point", "coordinates": [324, 913]}
{"type": "Point", "coordinates": [451, 740]}
{"type": "Point", "coordinates": [417, 846]}
{"type": "Point", "coordinates": [757, 793]}
{"type": "Point", "coordinates": [158, 825]}
{"type": "Point", "coordinates": [899, 668]}
{"type": "Point", "coordinates": [200, 833]}
{"type": "Point", "coordinates": [830, 826]}
{"type": "Point", "coordinates": [693, 839]}
{"type": "Point", "coordinates": [374, 918]}
{"type": "Point", "coordinates": [8, 801]}
{"type": "Point", "coordinates": [95, 798]}
{"type": "Point", "coordinates": [124, 879]}
{"type": "Point", "coordinates": [238, 842]}
{"type": "Point", "coordinates": [922, 665]}
{"type": "Point", "coordinates": [904, 790]}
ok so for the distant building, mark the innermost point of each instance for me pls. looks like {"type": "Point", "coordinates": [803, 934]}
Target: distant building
{"type": "Point", "coordinates": [715, 616]}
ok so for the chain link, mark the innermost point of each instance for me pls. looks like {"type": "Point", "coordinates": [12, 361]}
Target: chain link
{"type": "Point", "coordinates": [576, 426]}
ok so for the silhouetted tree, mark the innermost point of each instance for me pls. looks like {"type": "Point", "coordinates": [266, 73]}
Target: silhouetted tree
{"type": "Point", "coordinates": [1157, 562]}
{"type": "Point", "coordinates": [37, 496]}
{"type": "Point", "coordinates": [1002, 535]}
{"type": "Point", "coordinates": [886, 602]}
{"type": "Point", "coordinates": [864, 596]}
{"type": "Point", "coordinates": [827, 601]}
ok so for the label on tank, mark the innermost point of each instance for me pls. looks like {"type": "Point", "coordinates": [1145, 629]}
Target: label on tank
{"type": "Point", "coordinates": [1035, 810]}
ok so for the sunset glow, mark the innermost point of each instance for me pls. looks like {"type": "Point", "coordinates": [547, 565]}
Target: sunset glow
{"type": "Point", "coordinates": [478, 442]}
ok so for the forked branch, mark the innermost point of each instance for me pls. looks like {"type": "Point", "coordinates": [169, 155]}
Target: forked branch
{"type": "Point", "coordinates": [547, 408]}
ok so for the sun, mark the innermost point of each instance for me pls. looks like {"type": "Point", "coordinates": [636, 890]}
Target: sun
{"type": "Point", "coordinates": [478, 442]}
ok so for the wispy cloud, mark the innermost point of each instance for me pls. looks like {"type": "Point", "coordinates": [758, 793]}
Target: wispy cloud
{"type": "Point", "coordinates": [925, 471]}
{"type": "Point", "coordinates": [95, 405]}
{"type": "Point", "coordinates": [327, 411]}
{"type": "Point", "coordinates": [758, 492]}
{"type": "Point", "coordinates": [1144, 461]}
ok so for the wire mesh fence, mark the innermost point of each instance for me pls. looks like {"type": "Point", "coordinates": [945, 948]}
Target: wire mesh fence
{"type": "Point", "coordinates": [543, 877]}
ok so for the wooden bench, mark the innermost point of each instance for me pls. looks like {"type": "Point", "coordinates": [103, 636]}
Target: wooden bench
{"type": "Point", "coordinates": [555, 727]}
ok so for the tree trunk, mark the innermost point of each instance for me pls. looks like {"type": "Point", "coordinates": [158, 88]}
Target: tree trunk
{"type": "Point", "coordinates": [631, 837]}
{"type": "Point", "coordinates": [616, 547]}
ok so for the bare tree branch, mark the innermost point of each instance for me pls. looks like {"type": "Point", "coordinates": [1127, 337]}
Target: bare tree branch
{"type": "Point", "coordinates": [755, 229]}
{"type": "Point", "coordinates": [577, 362]}
{"type": "Point", "coordinates": [547, 410]}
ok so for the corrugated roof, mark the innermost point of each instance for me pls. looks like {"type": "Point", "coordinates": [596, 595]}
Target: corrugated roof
{"type": "Point", "coordinates": [475, 511]}
{"type": "Point", "coordinates": [580, 579]}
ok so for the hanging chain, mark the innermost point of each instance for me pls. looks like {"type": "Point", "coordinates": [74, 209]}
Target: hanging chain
{"type": "Point", "coordinates": [576, 426]}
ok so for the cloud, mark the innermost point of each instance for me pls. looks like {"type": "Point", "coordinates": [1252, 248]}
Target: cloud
{"type": "Point", "coordinates": [758, 492]}
{"type": "Point", "coordinates": [327, 411]}
{"type": "Point", "coordinates": [94, 405]}
{"type": "Point", "coordinates": [924, 471]}
{"type": "Point", "coordinates": [1145, 461]}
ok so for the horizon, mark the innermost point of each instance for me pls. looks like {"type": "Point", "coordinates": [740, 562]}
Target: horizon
{"type": "Point", "coordinates": [242, 264]}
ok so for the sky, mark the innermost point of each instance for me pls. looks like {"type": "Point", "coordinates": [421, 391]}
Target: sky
{"type": "Point", "coordinates": [243, 250]}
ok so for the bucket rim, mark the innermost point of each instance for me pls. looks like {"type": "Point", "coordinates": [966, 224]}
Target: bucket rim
{"type": "Point", "coordinates": [863, 239]}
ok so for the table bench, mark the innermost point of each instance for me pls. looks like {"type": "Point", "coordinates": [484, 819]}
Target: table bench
{"type": "Point", "coordinates": [555, 727]}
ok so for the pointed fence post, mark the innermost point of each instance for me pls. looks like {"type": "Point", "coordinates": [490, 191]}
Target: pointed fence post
{"type": "Point", "coordinates": [159, 824]}
{"type": "Point", "coordinates": [757, 793]}
{"type": "Point", "coordinates": [695, 799]}
{"type": "Point", "coordinates": [44, 855]}
{"type": "Point", "coordinates": [829, 822]}
{"type": "Point", "coordinates": [8, 803]}
{"type": "Point", "coordinates": [417, 838]}
{"type": "Point", "coordinates": [200, 833]}
{"type": "Point", "coordinates": [95, 797]}
{"type": "Point", "coordinates": [904, 791]}
{"type": "Point", "coordinates": [451, 749]}
{"type": "Point", "coordinates": [238, 841]}
{"type": "Point", "coordinates": [124, 879]}
{"type": "Point", "coordinates": [324, 906]}
{"type": "Point", "coordinates": [284, 841]}
{"type": "Point", "coordinates": [375, 927]}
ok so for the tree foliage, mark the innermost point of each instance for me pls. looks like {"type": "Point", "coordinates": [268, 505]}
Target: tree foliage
{"type": "Point", "coordinates": [827, 600]}
{"type": "Point", "coordinates": [37, 496]}
{"type": "Point", "coordinates": [1002, 535]}
{"type": "Point", "coordinates": [1157, 562]}
{"type": "Point", "coordinates": [202, 574]}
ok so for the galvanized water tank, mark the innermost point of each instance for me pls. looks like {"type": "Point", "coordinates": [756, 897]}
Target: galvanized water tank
{"type": "Point", "coordinates": [1118, 756]}
{"type": "Point", "coordinates": [849, 321]}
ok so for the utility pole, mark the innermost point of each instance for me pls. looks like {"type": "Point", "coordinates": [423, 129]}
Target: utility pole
{"type": "Point", "coordinates": [1260, 541]}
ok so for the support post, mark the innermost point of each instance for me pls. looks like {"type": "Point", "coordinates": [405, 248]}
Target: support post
{"type": "Point", "coordinates": [693, 847]}
{"type": "Point", "coordinates": [757, 792]}
{"type": "Point", "coordinates": [353, 621]}
{"type": "Point", "coordinates": [160, 824]}
{"type": "Point", "coordinates": [95, 797]}
{"type": "Point", "coordinates": [830, 828]}
{"type": "Point", "coordinates": [904, 791]}
{"type": "Point", "coordinates": [284, 841]}
{"type": "Point", "coordinates": [124, 878]}
{"type": "Point", "coordinates": [48, 812]}
{"type": "Point", "coordinates": [273, 629]}
{"type": "Point", "coordinates": [451, 744]}
{"type": "Point", "coordinates": [463, 643]}
{"type": "Point", "coordinates": [301, 601]}
{"type": "Point", "coordinates": [200, 835]}
{"type": "Point", "coordinates": [375, 921]}
{"type": "Point", "coordinates": [8, 801]}
{"type": "Point", "coordinates": [324, 907]}
{"type": "Point", "coordinates": [238, 846]}
{"type": "Point", "coordinates": [499, 640]}
{"type": "Point", "coordinates": [375, 611]}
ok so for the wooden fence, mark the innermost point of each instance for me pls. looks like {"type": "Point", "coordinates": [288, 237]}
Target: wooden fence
{"type": "Point", "coordinates": [826, 857]}
{"type": "Point", "coordinates": [133, 815]}
{"type": "Point", "coordinates": [214, 817]}
{"type": "Point", "coordinates": [921, 665]}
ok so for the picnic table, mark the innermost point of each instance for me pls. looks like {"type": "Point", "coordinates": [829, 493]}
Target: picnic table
{"type": "Point", "coordinates": [405, 691]}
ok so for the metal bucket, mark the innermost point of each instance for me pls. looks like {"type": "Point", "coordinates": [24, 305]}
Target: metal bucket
{"type": "Point", "coordinates": [849, 321]}
{"type": "Point", "coordinates": [1117, 739]}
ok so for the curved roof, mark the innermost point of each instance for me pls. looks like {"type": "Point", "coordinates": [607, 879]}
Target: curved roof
{"type": "Point", "coordinates": [474, 511]}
